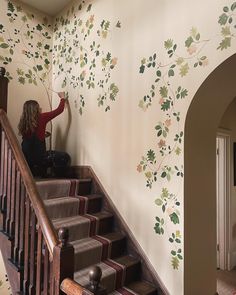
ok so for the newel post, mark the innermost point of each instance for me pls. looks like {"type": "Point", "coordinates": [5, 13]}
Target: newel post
{"type": "Point", "coordinates": [3, 89]}
{"type": "Point", "coordinates": [63, 260]}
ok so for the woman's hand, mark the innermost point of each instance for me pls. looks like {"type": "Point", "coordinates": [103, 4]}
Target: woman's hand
{"type": "Point", "coordinates": [61, 94]}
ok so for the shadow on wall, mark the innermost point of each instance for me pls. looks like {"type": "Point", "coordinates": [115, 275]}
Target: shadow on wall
{"type": "Point", "coordinates": [202, 121]}
{"type": "Point", "coordinates": [62, 137]}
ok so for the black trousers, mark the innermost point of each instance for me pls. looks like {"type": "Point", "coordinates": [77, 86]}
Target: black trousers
{"type": "Point", "coordinates": [39, 159]}
{"type": "Point", "coordinates": [35, 153]}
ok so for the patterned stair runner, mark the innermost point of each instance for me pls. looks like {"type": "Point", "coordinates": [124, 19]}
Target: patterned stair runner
{"type": "Point", "coordinates": [70, 204]}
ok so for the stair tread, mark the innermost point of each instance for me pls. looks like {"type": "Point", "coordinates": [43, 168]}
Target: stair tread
{"type": "Point", "coordinates": [61, 180]}
{"type": "Point", "coordinates": [108, 272]}
{"type": "Point", "coordinates": [137, 288]}
{"type": "Point", "coordinates": [127, 260]}
{"type": "Point", "coordinates": [142, 287]}
{"type": "Point", "coordinates": [72, 220]}
{"type": "Point", "coordinates": [61, 200]}
{"type": "Point", "coordinates": [79, 244]}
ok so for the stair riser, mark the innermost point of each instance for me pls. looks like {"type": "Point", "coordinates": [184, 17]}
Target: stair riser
{"type": "Point", "coordinates": [86, 229]}
{"type": "Point", "coordinates": [95, 255]}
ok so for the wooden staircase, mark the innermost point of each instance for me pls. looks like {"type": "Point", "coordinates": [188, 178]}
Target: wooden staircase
{"type": "Point", "coordinates": [92, 236]}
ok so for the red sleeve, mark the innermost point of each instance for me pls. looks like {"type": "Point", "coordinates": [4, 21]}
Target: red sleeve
{"type": "Point", "coordinates": [50, 115]}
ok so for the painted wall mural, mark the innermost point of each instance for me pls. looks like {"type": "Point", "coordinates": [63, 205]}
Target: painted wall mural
{"type": "Point", "coordinates": [81, 62]}
{"type": "Point", "coordinates": [25, 41]}
{"type": "Point", "coordinates": [155, 163]}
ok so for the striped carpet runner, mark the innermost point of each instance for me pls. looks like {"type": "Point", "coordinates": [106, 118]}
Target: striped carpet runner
{"type": "Point", "coordinates": [90, 233]}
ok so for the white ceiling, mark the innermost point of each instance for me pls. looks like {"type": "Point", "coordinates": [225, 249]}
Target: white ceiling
{"type": "Point", "coordinates": [50, 7]}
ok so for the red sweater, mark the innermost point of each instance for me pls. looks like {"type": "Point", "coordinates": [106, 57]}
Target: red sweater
{"type": "Point", "coordinates": [44, 118]}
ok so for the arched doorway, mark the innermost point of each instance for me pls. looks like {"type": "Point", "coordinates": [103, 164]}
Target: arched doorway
{"type": "Point", "coordinates": [202, 121]}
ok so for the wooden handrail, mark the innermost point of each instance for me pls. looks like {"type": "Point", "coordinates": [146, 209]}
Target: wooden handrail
{"type": "Point", "coordinates": [37, 203]}
{"type": "Point", "coordinates": [70, 287]}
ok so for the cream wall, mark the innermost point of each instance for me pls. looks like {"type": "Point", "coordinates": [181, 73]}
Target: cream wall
{"type": "Point", "coordinates": [116, 142]}
{"type": "Point", "coordinates": [25, 52]}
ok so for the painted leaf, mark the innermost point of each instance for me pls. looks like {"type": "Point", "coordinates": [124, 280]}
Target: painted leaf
{"type": "Point", "coordinates": [118, 25]}
{"type": "Point", "coordinates": [158, 202]}
{"type": "Point", "coordinates": [166, 105]}
{"type": "Point", "coordinates": [184, 70]}
{"type": "Point", "coordinates": [233, 6]}
{"type": "Point", "coordinates": [89, 7]}
{"type": "Point", "coordinates": [11, 7]}
{"type": "Point", "coordinates": [168, 43]}
{"type": "Point", "coordinates": [226, 9]}
{"type": "Point", "coordinates": [141, 69]}
{"type": "Point", "coordinates": [163, 91]}
{"type": "Point", "coordinates": [175, 262]}
{"type": "Point", "coordinates": [171, 73]}
{"type": "Point", "coordinates": [184, 93]}
{"type": "Point", "coordinates": [174, 218]}
{"type": "Point", "coordinates": [225, 43]}
{"type": "Point", "coordinates": [39, 27]}
{"type": "Point", "coordinates": [189, 41]}
{"type": "Point", "coordinates": [151, 156]}
{"type": "Point", "coordinates": [226, 31]}
{"type": "Point", "coordinates": [223, 19]}
{"type": "Point", "coordinates": [4, 45]}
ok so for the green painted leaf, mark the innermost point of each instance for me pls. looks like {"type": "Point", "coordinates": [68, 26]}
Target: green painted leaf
{"type": "Point", "coordinates": [39, 27]}
{"type": "Point", "coordinates": [189, 41]}
{"type": "Point", "coordinates": [141, 69]}
{"type": "Point", "coordinates": [171, 73]}
{"type": "Point", "coordinates": [163, 175]}
{"type": "Point", "coordinates": [225, 43]}
{"type": "Point", "coordinates": [233, 6]}
{"type": "Point", "coordinates": [226, 31]}
{"type": "Point", "coordinates": [151, 156]}
{"type": "Point", "coordinates": [89, 7]}
{"type": "Point", "coordinates": [118, 25]}
{"type": "Point", "coordinates": [11, 7]}
{"type": "Point", "coordinates": [166, 105]}
{"type": "Point", "coordinates": [39, 67]}
{"type": "Point", "coordinates": [4, 45]}
{"type": "Point", "coordinates": [184, 93]}
{"type": "Point", "coordinates": [226, 9]}
{"type": "Point", "coordinates": [158, 73]}
{"type": "Point", "coordinates": [173, 253]}
{"type": "Point", "coordinates": [168, 44]}
{"type": "Point", "coordinates": [223, 19]}
{"type": "Point", "coordinates": [158, 202]}
{"type": "Point", "coordinates": [184, 70]}
{"type": "Point", "coordinates": [174, 218]}
{"type": "Point", "coordinates": [163, 91]}
{"type": "Point", "coordinates": [198, 37]}
{"type": "Point", "coordinates": [175, 262]}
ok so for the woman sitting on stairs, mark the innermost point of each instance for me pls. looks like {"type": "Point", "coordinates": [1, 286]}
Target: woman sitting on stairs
{"type": "Point", "coordinates": [32, 128]}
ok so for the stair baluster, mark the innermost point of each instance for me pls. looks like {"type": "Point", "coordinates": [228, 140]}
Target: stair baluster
{"type": "Point", "coordinates": [63, 260]}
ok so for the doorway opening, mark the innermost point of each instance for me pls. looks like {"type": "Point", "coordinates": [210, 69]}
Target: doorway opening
{"type": "Point", "coordinates": [200, 227]}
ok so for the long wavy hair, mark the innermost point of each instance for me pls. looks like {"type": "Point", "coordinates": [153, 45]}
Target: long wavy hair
{"type": "Point", "coordinates": [29, 118]}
